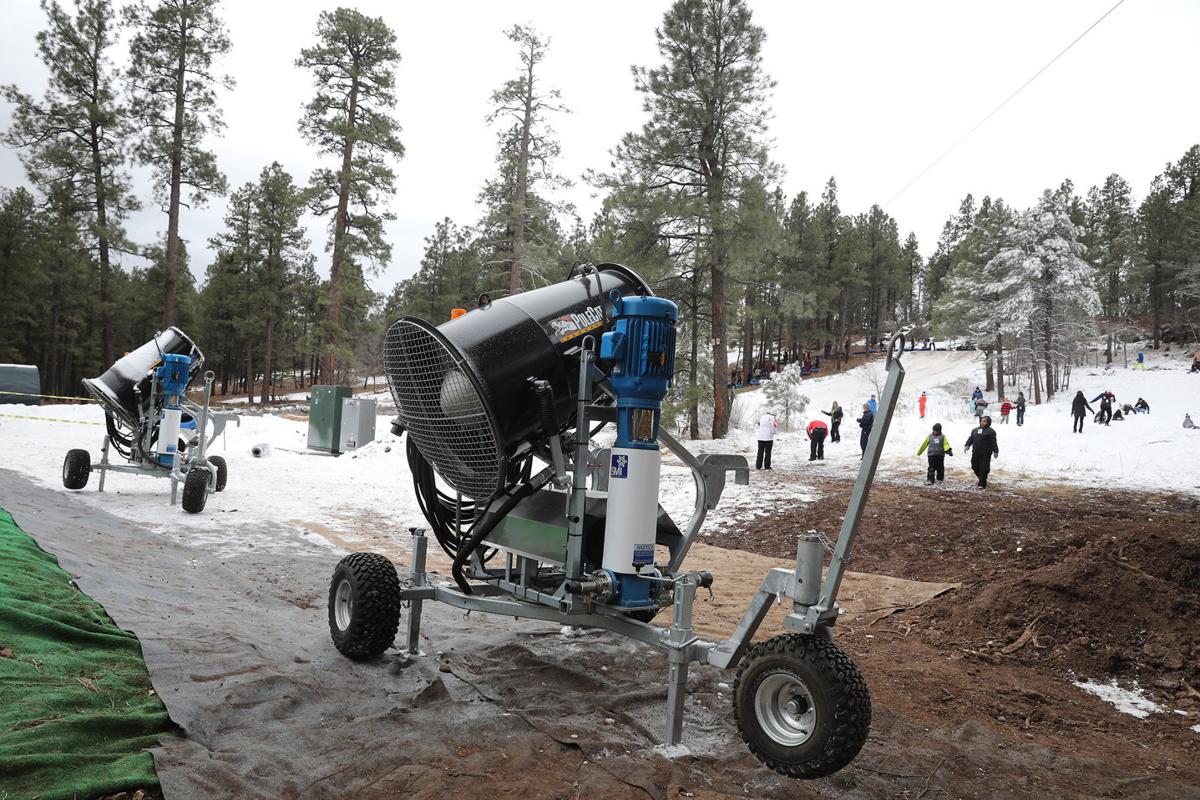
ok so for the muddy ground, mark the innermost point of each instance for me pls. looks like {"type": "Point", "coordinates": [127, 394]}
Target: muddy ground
{"type": "Point", "coordinates": [1056, 586]}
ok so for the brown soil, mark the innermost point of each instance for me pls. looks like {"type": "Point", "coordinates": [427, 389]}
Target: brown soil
{"type": "Point", "coordinates": [1057, 586]}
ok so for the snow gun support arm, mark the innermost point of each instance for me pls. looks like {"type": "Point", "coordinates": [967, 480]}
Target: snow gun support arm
{"type": "Point", "coordinates": [806, 619]}
{"type": "Point", "coordinates": [814, 604]}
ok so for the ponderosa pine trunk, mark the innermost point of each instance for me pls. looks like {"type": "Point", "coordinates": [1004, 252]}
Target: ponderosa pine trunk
{"type": "Point", "coordinates": [340, 226]}
{"type": "Point", "coordinates": [172, 253]}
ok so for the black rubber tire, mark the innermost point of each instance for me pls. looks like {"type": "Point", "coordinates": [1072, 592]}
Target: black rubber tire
{"type": "Point", "coordinates": [375, 610]}
{"type": "Point", "coordinates": [839, 694]}
{"type": "Point", "coordinates": [222, 471]}
{"type": "Point", "coordinates": [195, 490]}
{"type": "Point", "coordinates": [77, 467]}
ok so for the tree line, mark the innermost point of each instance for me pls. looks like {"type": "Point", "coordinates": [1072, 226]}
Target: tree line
{"type": "Point", "coordinates": [691, 199]}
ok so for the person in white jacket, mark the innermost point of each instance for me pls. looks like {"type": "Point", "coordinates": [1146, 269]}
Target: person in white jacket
{"type": "Point", "coordinates": [766, 439]}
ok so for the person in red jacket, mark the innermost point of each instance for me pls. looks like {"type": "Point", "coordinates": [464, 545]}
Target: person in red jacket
{"type": "Point", "coordinates": [1005, 409]}
{"type": "Point", "coordinates": [815, 432]}
{"type": "Point", "coordinates": [921, 404]}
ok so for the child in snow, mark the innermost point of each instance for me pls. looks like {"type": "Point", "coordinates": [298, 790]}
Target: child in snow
{"type": "Point", "coordinates": [766, 440]}
{"type": "Point", "coordinates": [1187, 422]}
{"type": "Point", "coordinates": [938, 449]}
{"type": "Point", "coordinates": [1078, 404]}
{"type": "Point", "coordinates": [866, 421]}
{"type": "Point", "coordinates": [1005, 409]}
{"type": "Point", "coordinates": [982, 444]}
{"type": "Point", "coordinates": [1141, 407]}
{"type": "Point", "coordinates": [815, 432]}
{"type": "Point", "coordinates": [873, 404]}
{"type": "Point", "coordinates": [1020, 409]}
{"type": "Point", "coordinates": [835, 422]}
{"type": "Point", "coordinates": [921, 404]}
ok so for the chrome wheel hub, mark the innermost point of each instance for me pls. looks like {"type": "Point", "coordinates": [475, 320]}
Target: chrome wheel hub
{"type": "Point", "coordinates": [785, 709]}
{"type": "Point", "coordinates": [343, 605]}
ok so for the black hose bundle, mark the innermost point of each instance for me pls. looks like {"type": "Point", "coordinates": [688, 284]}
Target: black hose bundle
{"type": "Point", "coordinates": [451, 518]}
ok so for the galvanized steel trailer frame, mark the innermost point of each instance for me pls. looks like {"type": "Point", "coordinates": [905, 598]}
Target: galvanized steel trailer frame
{"type": "Point", "coordinates": [510, 591]}
{"type": "Point", "coordinates": [196, 456]}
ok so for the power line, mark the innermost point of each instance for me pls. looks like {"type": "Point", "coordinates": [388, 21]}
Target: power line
{"type": "Point", "coordinates": [1006, 101]}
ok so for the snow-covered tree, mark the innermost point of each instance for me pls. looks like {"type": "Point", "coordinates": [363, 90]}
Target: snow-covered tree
{"type": "Point", "coordinates": [783, 395]}
{"type": "Point", "coordinates": [1043, 285]}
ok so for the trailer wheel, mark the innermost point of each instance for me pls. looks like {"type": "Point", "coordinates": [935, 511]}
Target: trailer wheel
{"type": "Point", "coordinates": [77, 466]}
{"type": "Point", "coordinates": [222, 471]}
{"type": "Point", "coordinates": [364, 605]}
{"type": "Point", "coordinates": [801, 705]}
{"type": "Point", "coordinates": [195, 490]}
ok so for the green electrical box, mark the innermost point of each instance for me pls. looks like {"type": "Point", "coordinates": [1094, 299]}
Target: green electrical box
{"type": "Point", "coordinates": [325, 417]}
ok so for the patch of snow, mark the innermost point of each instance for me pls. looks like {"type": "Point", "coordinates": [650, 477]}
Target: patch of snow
{"type": "Point", "coordinates": [672, 751]}
{"type": "Point", "coordinates": [1132, 701]}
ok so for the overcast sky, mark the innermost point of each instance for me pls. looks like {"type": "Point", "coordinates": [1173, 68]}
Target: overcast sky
{"type": "Point", "coordinates": [869, 92]}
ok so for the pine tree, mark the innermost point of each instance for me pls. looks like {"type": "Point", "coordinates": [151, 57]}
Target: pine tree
{"type": "Point", "coordinates": [1044, 282]}
{"type": "Point", "coordinates": [1111, 241]}
{"type": "Point", "coordinates": [174, 88]}
{"type": "Point", "coordinates": [76, 135]}
{"type": "Point", "coordinates": [353, 65]}
{"type": "Point", "coordinates": [527, 150]}
{"type": "Point", "coordinates": [705, 138]}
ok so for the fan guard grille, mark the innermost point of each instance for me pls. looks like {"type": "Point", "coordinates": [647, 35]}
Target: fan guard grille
{"type": "Point", "coordinates": [441, 405]}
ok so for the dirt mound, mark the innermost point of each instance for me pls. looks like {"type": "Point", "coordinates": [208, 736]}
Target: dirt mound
{"type": "Point", "coordinates": [1101, 607]}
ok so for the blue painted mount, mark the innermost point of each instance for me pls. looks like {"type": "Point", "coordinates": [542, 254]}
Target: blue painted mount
{"type": "Point", "coordinates": [175, 374]}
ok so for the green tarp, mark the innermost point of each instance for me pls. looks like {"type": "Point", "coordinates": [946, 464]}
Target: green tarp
{"type": "Point", "coordinates": [77, 711]}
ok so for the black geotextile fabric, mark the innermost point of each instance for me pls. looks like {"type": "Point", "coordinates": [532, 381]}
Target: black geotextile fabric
{"type": "Point", "coordinates": [77, 712]}
{"type": "Point", "coordinates": [237, 644]}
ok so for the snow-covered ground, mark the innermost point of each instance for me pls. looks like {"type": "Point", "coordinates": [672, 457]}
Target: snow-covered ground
{"type": "Point", "coordinates": [309, 492]}
{"type": "Point", "coordinates": [1152, 452]}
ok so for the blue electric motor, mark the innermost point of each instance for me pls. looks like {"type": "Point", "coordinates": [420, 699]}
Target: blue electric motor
{"type": "Point", "coordinates": [641, 349]}
{"type": "Point", "coordinates": [173, 374]}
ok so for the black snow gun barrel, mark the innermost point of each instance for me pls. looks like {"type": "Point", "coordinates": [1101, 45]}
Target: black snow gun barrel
{"type": "Point", "coordinates": [462, 388]}
{"type": "Point", "coordinates": [124, 389]}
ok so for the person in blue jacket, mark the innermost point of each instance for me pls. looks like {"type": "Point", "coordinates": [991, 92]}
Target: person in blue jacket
{"type": "Point", "coordinates": [873, 404]}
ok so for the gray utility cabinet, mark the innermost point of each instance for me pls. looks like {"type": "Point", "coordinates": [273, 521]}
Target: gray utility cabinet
{"type": "Point", "coordinates": [358, 423]}
{"type": "Point", "coordinates": [325, 417]}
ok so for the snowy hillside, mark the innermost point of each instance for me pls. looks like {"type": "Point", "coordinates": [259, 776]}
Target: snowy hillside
{"type": "Point", "coordinates": [336, 496]}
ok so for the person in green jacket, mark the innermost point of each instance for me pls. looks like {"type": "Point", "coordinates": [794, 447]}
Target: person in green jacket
{"type": "Point", "coordinates": [938, 449]}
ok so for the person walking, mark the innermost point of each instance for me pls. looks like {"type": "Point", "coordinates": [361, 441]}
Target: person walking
{"type": "Point", "coordinates": [1106, 399]}
{"type": "Point", "coordinates": [983, 446]}
{"type": "Point", "coordinates": [873, 404]}
{"type": "Point", "coordinates": [865, 422]}
{"type": "Point", "coordinates": [1141, 360]}
{"type": "Point", "coordinates": [816, 432]}
{"type": "Point", "coordinates": [1005, 409]}
{"type": "Point", "coordinates": [835, 415]}
{"type": "Point", "coordinates": [1078, 405]}
{"type": "Point", "coordinates": [921, 404]}
{"type": "Point", "coordinates": [1020, 405]}
{"type": "Point", "coordinates": [937, 446]}
{"type": "Point", "coordinates": [766, 439]}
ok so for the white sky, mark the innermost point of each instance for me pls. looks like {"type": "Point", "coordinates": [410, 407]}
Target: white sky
{"type": "Point", "coordinates": [869, 92]}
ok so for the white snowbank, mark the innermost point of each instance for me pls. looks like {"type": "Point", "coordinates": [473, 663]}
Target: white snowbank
{"type": "Point", "coordinates": [1132, 701]}
{"type": "Point", "coordinates": [1147, 451]}
{"type": "Point", "coordinates": [306, 492]}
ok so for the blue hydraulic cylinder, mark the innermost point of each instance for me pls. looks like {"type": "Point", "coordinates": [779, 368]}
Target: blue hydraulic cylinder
{"type": "Point", "coordinates": [641, 347]}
